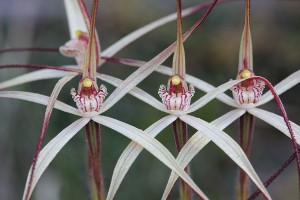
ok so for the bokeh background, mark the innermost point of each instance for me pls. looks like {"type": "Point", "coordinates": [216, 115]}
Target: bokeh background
{"type": "Point", "coordinates": [211, 54]}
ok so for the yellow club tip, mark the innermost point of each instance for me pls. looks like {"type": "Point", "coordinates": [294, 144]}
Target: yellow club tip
{"type": "Point", "coordinates": [176, 80]}
{"type": "Point", "coordinates": [78, 33]}
{"type": "Point", "coordinates": [87, 82]}
{"type": "Point", "coordinates": [246, 74]}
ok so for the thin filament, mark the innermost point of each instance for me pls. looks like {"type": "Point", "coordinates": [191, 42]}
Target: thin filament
{"type": "Point", "coordinates": [275, 175]}
{"type": "Point", "coordinates": [30, 49]}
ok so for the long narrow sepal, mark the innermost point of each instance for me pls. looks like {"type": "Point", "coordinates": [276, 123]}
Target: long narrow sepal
{"type": "Point", "coordinates": [29, 49]}
{"type": "Point", "coordinates": [72, 6]}
{"type": "Point", "coordinates": [152, 145]}
{"type": "Point", "coordinates": [277, 122]}
{"type": "Point", "coordinates": [34, 76]}
{"type": "Point", "coordinates": [48, 113]}
{"type": "Point", "coordinates": [281, 87]}
{"type": "Point", "coordinates": [287, 122]}
{"type": "Point", "coordinates": [123, 42]}
{"type": "Point", "coordinates": [131, 152]}
{"type": "Point", "coordinates": [76, 18]}
{"type": "Point", "coordinates": [229, 146]}
{"type": "Point", "coordinates": [49, 152]}
{"type": "Point", "coordinates": [246, 57]}
{"type": "Point", "coordinates": [196, 143]}
{"type": "Point", "coordinates": [136, 92]}
{"type": "Point", "coordinates": [91, 55]}
{"type": "Point", "coordinates": [197, 83]}
{"type": "Point", "coordinates": [212, 94]}
{"type": "Point", "coordinates": [179, 54]}
{"type": "Point", "coordinates": [150, 66]}
{"type": "Point", "coordinates": [32, 66]}
{"type": "Point", "coordinates": [39, 99]}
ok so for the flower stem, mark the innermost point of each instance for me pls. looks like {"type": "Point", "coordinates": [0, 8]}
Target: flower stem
{"type": "Point", "coordinates": [93, 138]}
{"type": "Point", "coordinates": [246, 127]}
{"type": "Point", "coordinates": [181, 137]}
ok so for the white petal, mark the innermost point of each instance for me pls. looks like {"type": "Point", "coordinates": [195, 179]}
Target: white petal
{"type": "Point", "coordinates": [151, 144]}
{"type": "Point", "coordinates": [206, 87]}
{"type": "Point", "coordinates": [55, 92]}
{"type": "Point", "coordinates": [136, 77]}
{"type": "Point", "coordinates": [212, 94]}
{"type": "Point", "coordinates": [196, 143]}
{"type": "Point", "coordinates": [40, 99]}
{"type": "Point", "coordinates": [131, 152]}
{"type": "Point", "coordinates": [75, 17]}
{"type": "Point", "coordinates": [276, 121]}
{"type": "Point", "coordinates": [136, 92]}
{"type": "Point", "coordinates": [49, 109]}
{"type": "Point", "coordinates": [281, 87]}
{"type": "Point", "coordinates": [34, 76]}
{"type": "Point", "coordinates": [228, 145]}
{"type": "Point", "coordinates": [49, 152]}
{"type": "Point", "coordinates": [117, 46]}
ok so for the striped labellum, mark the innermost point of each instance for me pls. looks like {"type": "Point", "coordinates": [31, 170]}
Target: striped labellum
{"type": "Point", "coordinates": [248, 91]}
{"type": "Point", "coordinates": [89, 99]}
{"type": "Point", "coordinates": [177, 96]}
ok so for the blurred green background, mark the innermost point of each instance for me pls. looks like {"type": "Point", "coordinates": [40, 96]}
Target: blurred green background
{"type": "Point", "coordinates": [211, 55]}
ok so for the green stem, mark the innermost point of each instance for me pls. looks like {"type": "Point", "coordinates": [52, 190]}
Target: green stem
{"type": "Point", "coordinates": [246, 127]}
{"type": "Point", "coordinates": [93, 138]}
{"type": "Point", "coordinates": [181, 137]}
